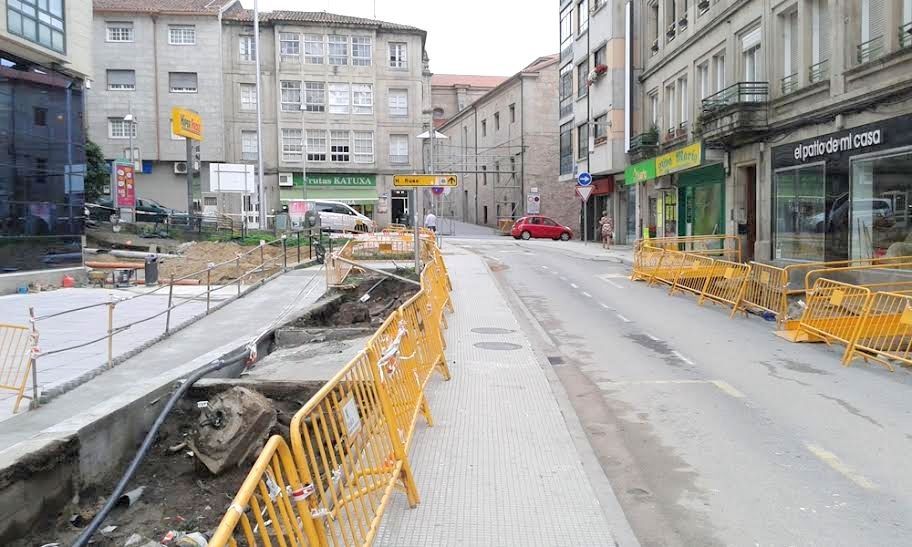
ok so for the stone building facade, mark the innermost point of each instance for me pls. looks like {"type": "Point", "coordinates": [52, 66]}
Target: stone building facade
{"type": "Point", "coordinates": [451, 93]}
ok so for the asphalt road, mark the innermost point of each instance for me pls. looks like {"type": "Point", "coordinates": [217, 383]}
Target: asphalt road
{"type": "Point", "coordinates": [711, 430]}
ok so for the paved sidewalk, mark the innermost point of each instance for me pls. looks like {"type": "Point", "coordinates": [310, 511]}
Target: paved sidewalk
{"type": "Point", "coordinates": [500, 466]}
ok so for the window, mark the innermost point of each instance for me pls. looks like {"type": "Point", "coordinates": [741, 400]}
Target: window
{"type": "Point", "coordinates": [398, 102]}
{"type": "Point", "coordinates": [248, 97]}
{"type": "Point", "coordinates": [599, 56]}
{"type": "Point", "coordinates": [314, 97]}
{"type": "Point", "coordinates": [600, 130]}
{"type": "Point", "coordinates": [820, 39]}
{"type": "Point", "coordinates": [121, 80]}
{"type": "Point", "coordinates": [337, 47]}
{"type": "Point", "coordinates": [654, 109]}
{"type": "Point", "coordinates": [684, 110]}
{"type": "Point", "coordinates": [248, 48]}
{"type": "Point", "coordinates": [484, 175]}
{"type": "Point", "coordinates": [290, 45]}
{"type": "Point", "coordinates": [484, 128]}
{"type": "Point", "coordinates": [119, 32]}
{"type": "Point", "coordinates": [582, 16]}
{"type": "Point", "coordinates": [652, 25]}
{"type": "Point", "coordinates": [316, 145]}
{"type": "Point", "coordinates": [40, 116]}
{"type": "Point", "coordinates": [339, 146]}
{"type": "Point", "coordinates": [512, 166]}
{"type": "Point", "coordinates": [291, 95]}
{"type": "Point", "coordinates": [513, 113]}
{"type": "Point", "coordinates": [873, 21]}
{"type": "Point", "coordinates": [399, 149]}
{"type": "Point", "coordinates": [800, 208]}
{"type": "Point", "coordinates": [364, 146]}
{"type": "Point", "coordinates": [750, 55]}
{"type": "Point", "coordinates": [41, 170]}
{"type": "Point", "coordinates": [582, 74]}
{"type": "Point", "coordinates": [566, 90]}
{"type": "Point", "coordinates": [292, 145]}
{"type": "Point", "coordinates": [362, 49]}
{"type": "Point", "coordinates": [582, 141]}
{"type": "Point", "coordinates": [497, 121]}
{"type": "Point", "coordinates": [497, 172]}
{"type": "Point", "coordinates": [398, 55]}
{"type": "Point", "coordinates": [249, 145]}
{"type": "Point", "coordinates": [670, 18]}
{"type": "Point", "coordinates": [38, 21]}
{"type": "Point", "coordinates": [789, 25]}
{"type": "Point", "coordinates": [362, 98]}
{"type": "Point", "coordinates": [671, 107]}
{"type": "Point", "coordinates": [566, 29]}
{"type": "Point", "coordinates": [181, 35]}
{"type": "Point", "coordinates": [313, 49]}
{"type": "Point", "coordinates": [339, 98]}
{"type": "Point", "coordinates": [878, 216]}
{"type": "Point", "coordinates": [703, 80]}
{"type": "Point", "coordinates": [719, 70]}
{"type": "Point", "coordinates": [120, 129]}
{"type": "Point", "coordinates": [566, 148]}
{"type": "Point", "coordinates": [182, 82]}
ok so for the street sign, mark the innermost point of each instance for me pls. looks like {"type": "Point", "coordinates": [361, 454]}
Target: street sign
{"type": "Point", "coordinates": [186, 123]}
{"type": "Point", "coordinates": [584, 178]}
{"type": "Point", "coordinates": [413, 181]}
{"type": "Point", "coordinates": [583, 192]}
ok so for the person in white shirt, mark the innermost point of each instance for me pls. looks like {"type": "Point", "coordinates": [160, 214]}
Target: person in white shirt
{"type": "Point", "coordinates": [430, 221]}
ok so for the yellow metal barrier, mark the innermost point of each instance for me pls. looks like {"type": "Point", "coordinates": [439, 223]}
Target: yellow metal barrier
{"type": "Point", "coordinates": [765, 288]}
{"type": "Point", "coordinates": [885, 334]}
{"type": "Point", "coordinates": [645, 261]}
{"type": "Point", "coordinates": [16, 348]}
{"type": "Point", "coordinates": [834, 313]}
{"type": "Point", "coordinates": [727, 247]}
{"type": "Point", "coordinates": [725, 282]}
{"type": "Point", "coordinates": [693, 274]}
{"type": "Point", "coordinates": [271, 506]}
{"type": "Point", "coordinates": [667, 268]}
{"type": "Point", "coordinates": [811, 276]}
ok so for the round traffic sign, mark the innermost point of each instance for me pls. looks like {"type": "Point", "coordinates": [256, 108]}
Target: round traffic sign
{"type": "Point", "coordinates": [584, 178]}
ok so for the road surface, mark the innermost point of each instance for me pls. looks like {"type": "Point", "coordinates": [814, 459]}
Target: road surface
{"type": "Point", "coordinates": [711, 430]}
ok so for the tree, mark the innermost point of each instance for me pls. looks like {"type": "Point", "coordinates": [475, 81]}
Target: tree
{"type": "Point", "coordinates": [98, 173]}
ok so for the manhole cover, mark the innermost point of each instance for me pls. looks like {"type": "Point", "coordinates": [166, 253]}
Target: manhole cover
{"type": "Point", "coordinates": [499, 346]}
{"type": "Point", "coordinates": [492, 330]}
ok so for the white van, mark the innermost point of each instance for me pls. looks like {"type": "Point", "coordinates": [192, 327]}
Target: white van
{"type": "Point", "coordinates": [338, 217]}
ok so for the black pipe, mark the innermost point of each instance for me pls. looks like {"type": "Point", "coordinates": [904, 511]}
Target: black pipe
{"type": "Point", "coordinates": [100, 517]}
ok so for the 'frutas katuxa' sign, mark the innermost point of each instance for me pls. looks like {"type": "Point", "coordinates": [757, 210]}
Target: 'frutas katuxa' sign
{"type": "Point", "coordinates": [186, 123]}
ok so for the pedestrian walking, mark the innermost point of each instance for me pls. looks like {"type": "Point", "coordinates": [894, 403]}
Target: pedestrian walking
{"type": "Point", "coordinates": [606, 223]}
{"type": "Point", "coordinates": [430, 221]}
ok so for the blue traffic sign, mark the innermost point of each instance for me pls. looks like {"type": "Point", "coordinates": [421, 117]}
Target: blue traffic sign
{"type": "Point", "coordinates": [584, 178]}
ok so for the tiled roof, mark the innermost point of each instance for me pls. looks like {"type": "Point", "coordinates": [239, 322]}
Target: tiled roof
{"type": "Point", "coordinates": [237, 13]}
{"type": "Point", "coordinates": [447, 80]}
{"type": "Point", "coordinates": [162, 6]}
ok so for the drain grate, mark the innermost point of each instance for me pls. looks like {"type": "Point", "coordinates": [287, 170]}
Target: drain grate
{"type": "Point", "coordinates": [497, 346]}
{"type": "Point", "coordinates": [491, 330]}
{"type": "Point", "coordinates": [556, 360]}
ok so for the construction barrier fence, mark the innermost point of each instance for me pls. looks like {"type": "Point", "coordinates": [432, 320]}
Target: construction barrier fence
{"type": "Point", "coordinates": [17, 347]}
{"type": "Point", "coordinates": [349, 443]}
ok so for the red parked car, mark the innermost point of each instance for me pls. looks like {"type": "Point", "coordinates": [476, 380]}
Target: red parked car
{"type": "Point", "coordinates": [538, 226]}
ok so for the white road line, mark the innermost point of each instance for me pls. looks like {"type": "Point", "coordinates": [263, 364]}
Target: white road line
{"type": "Point", "coordinates": [545, 267]}
{"type": "Point", "coordinates": [587, 295]}
{"type": "Point", "coordinates": [606, 306]}
{"type": "Point", "coordinates": [574, 285]}
{"type": "Point", "coordinates": [651, 337]}
{"type": "Point", "coordinates": [723, 386]}
{"type": "Point", "coordinates": [614, 284]}
{"type": "Point", "coordinates": [681, 357]}
{"type": "Point", "coordinates": [562, 278]}
{"type": "Point", "coordinates": [834, 462]}
{"type": "Point", "coordinates": [624, 319]}
{"type": "Point", "coordinates": [728, 388]}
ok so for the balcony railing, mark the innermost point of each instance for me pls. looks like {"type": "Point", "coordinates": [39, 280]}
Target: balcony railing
{"type": "Point", "coordinates": [682, 130]}
{"type": "Point", "coordinates": [644, 140]}
{"type": "Point", "coordinates": [905, 35]}
{"type": "Point", "coordinates": [789, 83]}
{"type": "Point", "coordinates": [819, 71]}
{"type": "Point", "coordinates": [870, 50]}
{"type": "Point", "coordinates": [739, 93]}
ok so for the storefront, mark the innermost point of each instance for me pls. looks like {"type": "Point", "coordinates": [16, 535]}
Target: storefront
{"type": "Point", "coordinates": [357, 190]}
{"type": "Point", "coordinates": [845, 194]}
{"type": "Point", "coordinates": [601, 200]}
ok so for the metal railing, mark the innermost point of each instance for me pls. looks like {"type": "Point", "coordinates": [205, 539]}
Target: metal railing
{"type": "Point", "coordinates": [644, 140]}
{"type": "Point", "coordinates": [789, 83]}
{"type": "Point", "coordinates": [739, 93]}
{"type": "Point", "coordinates": [819, 71]}
{"type": "Point", "coordinates": [870, 50]}
{"type": "Point", "coordinates": [905, 35]}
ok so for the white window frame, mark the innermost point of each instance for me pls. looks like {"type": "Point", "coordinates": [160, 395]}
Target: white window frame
{"type": "Point", "coordinates": [117, 128]}
{"type": "Point", "coordinates": [314, 106]}
{"type": "Point", "coordinates": [398, 55]}
{"type": "Point", "coordinates": [654, 105]}
{"type": "Point", "coordinates": [120, 87]}
{"type": "Point", "coordinates": [289, 39]}
{"type": "Point", "coordinates": [247, 48]}
{"type": "Point", "coordinates": [582, 17]}
{"type": "Point", "coordinates": [249, 151]}
{"type": "Point", "coordinates": [684, 113]}
{"type": "Point", "coordinates": [248, 105]}
{"type": "Point", "coordinates": [671, 107]}
{"type": "Point", "coordinates": [181, 33]}
{"type": "Point", "coordinates": [334, 60]}
{"type": "Point", "coordinates": [719, 67]}
{"type": "Point", "coordinates": [362, 99]}
{"type": "Point", "coordinates": [287, 89]}
{"type": "Point", "coordinates": [362, 41]}
{"type": "Point", "coordinates": [398, 102]}
{"type": "Point", "coordinates": [292, 144]}
{"type": "Point", "coordinates": [173, 89]}
{"type": "Point", "coordinates": [313, 40]}
{"type": "Point", "coordinates": [703, 80]}
{"type": "Point", "coordinates": [335, 140]}
{"type": "Point", "coordinates": [398, 144]}
{"type": "Point", "coordinates": [114, 29]}
{"type": "Point", "coordinates": [363, 146]}
{"type": "Point", "coordinates": [336, 106]}
{"type": "Point", "coordinates": [317, 145]}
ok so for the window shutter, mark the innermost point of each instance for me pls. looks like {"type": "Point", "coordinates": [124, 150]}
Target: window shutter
{"type": "Point", "coordinates": [793, 43]}
{"type": "Point", "coordinates": [877, 19]}
{"type": "Point", "coordinates": [183, 79]}
{"type": "Point", "coordinates": [823, 36]}
{"type": "Point", "coordinates": [750, 40]}
{"type": "Point", "coordinates": [121, 77]}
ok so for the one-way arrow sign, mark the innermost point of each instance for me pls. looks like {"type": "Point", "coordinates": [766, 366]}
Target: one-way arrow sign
{"type": "Point", "coordinates": [583, 192]}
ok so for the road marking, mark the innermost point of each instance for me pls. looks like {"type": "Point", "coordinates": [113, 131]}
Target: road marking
{"type": "Point", "coordinates": [728, 388]}
{"type": "Point", "coordinates": [721, 385]}
{"type": "Point", "coordinates": [834, 462]}
{"type": "Point", "coordinates": [562, 278]}
{"type": "Point", "coordinates": [681, 357]}
{"type": "Point", "coordinates": [614, 284]}
{"type": "Point", "coordinates": [606, 306]}
{"type": "Point", "coordinates": [545, 267]}
{"type": "Point", "coordinates": [613, 276]}
{"type": "Point", "coordinates": [624, 319]}
{"type": "Point", "coordinates": [574, 285]}
{"type": "Point", "coordinates": [587, 295]}
{"type": "Point", "coordinates": [651, 337]}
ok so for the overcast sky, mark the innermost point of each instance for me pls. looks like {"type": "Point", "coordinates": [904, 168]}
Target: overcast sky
{"type": "Point", "coordinates": [488, 37]}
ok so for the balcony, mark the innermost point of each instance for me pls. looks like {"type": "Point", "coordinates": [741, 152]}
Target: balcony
{"type": "Point", "coordinates": [789, 83]}
{"type": "Point", "coordinates": [819, 72]}
{"type": "Point", "coordinates": [737, 114]}
{"type": "Point", "coordinates": [870, 50]}
{"type": "Point", "coordinates": [644, 145]}
{"type": "Point", "coordinates": [905, 35]}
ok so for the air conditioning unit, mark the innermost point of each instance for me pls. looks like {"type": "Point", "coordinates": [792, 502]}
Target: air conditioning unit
{"type": "Point", "coordinates": [180, 168]}
{"type": "Point", "coordinates": [286, 179]}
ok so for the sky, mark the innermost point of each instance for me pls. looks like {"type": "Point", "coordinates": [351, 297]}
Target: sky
{"type": "Point", "coordinates": [486, 37]}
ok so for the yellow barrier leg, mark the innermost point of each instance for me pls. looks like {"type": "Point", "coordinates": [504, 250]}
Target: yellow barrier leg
{"type": "Point", "coordinates": [444, 368]}
{"type": "Point", "coordinates": [426, 411]}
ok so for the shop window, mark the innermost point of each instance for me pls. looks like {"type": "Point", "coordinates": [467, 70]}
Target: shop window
{"type": "Point", "coordinates": [801, 221]}
{"type": "Point", "coordinates": [880, 214]}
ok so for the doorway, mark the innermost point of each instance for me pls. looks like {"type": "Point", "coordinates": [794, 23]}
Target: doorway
{"type": "Point", "coordinates": [748, 230]}
{"type": "Point", "coordinates": [400, 207]}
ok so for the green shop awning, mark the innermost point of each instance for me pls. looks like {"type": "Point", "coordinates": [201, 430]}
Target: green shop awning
{"type": "Point", "coordinates": [709, 174]}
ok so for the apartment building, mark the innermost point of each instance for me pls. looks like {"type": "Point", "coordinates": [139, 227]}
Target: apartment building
{"type": "Point", "coordinates": [149, 57]}
{"type": "Point", "coordinates": [44, 64]}
{"type": "Point", "coordinates": [780, 121]}
{"type": "Point", "coordinates": [342, 107]}
{"type": "Point", "coordinates": [451, 93]}
{"type": "Point", "coordinates": [504, 147]}
{"type": "Point", "coordinates": [591, 107]}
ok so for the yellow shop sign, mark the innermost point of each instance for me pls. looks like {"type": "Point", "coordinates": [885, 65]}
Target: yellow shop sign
{"type": "Point", "coordinates": [680, 159]}
{"type": "Point", "coordinates": [186, 123]}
